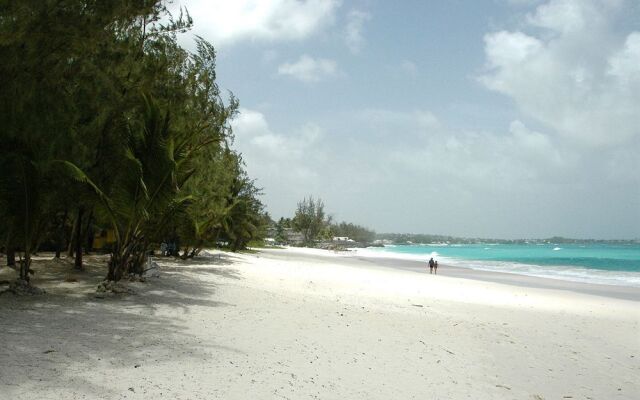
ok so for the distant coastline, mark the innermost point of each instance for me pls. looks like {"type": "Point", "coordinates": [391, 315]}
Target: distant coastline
{"type": "Point", "coordinates": [419, 238]}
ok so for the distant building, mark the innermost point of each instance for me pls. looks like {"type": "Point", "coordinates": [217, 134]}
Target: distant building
{"type": "Point", "coordinates": [293, 237]}
{"type": "Point", "coordinates": [342, 239]}
{"type": "Point", "coordinates": [272, 231]}
{"type": "Point", "coordinates": [104, 238]}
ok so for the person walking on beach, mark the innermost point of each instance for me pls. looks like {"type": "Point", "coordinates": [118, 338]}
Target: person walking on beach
{"type": "Point", "coordinates": [431, 265]}
{"type": "Point", "coordinates": [435, 268]}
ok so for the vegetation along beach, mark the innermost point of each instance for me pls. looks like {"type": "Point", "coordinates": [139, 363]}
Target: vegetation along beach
{"type": "Point", "coordinates": [319, 199]}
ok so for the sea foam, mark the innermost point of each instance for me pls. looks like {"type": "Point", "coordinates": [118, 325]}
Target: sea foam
{"type": "Point", "coordinates": [566, 273]}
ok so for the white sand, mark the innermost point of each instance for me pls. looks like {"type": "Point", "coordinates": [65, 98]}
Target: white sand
{"type": "Point", "coordinates": [283, 324]}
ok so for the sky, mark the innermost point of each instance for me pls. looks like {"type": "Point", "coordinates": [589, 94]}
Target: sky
{"type": "Point", "coordinates": [488, 118]}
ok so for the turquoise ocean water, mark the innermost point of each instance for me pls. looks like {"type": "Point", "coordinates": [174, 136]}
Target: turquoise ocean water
{"type": "Point", "coordinates": [614, 264]}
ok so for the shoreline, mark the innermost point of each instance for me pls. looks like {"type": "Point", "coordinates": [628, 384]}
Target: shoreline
{"type": "Point", "coordinates": [591, 267]}
{"type": "Point", "coordinates": [507, 278]}
{"type": "Point", "coordinates": [514, 279]}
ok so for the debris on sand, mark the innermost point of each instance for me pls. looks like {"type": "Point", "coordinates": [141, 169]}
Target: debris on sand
{"type": "Point", "coordinates": [152, 270]}
{"type": "Point", "coordinates": [109, 288]}
{"type": "Point", "coordinates": [20, 287]}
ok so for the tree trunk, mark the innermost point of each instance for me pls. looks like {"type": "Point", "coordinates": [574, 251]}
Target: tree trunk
{"type": "Point", "coordinates": [24, 266]}
{"type": "Point", "coordinates": [120, 258]}
{"type": "Point", "coordinates": [119, 268]}
{"type": "Point", "coordinates": [113, 273]}
{"type": "Point", "coordinates": [112, 266]}
{"type": "Point", "coordinates": [89, 233]}
{"type": "Point", "coordinates": [11, 257]}
{"type": "Point", "coordinates": [78, 239]}
{"type": "Point", "coordinates": [60, 234]}
{"type": "Point", "coordinates": [71, 236]}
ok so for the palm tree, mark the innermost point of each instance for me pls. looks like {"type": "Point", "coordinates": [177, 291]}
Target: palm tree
{"type": "Point", "coordinates": [145, 192]}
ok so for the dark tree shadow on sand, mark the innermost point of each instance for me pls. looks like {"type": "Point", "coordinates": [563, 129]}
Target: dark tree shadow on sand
{"type": "Point", "coordinates": [51, 338]}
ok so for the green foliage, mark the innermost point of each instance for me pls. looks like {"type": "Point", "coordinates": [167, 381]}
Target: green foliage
{"type": "Point", "coordinates": [310, 219]}
{"type": "Point", "coordinates": [281, 226]}
{"type": "Point", "coordinates": [226, 205]}
{"type": "Point", "coordinates": [352, 231]}
{"type": "Point", "coordinates": [20, 202]}
{"type": "Point", "coordinates": [101, 110]}
{"type": "Point", "coordinates": [244, 219]}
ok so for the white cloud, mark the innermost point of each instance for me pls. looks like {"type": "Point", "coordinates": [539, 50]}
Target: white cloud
{"type": "Point", "coordinates": [355, 24]}
{"type": "Point", "coordinates": [417, 142]}
{"type": "Point", "coordinates": [288, 164]}
{"type": "Point", "coordinates": [269, 151]}
{"type": "Point", "coordinates": [308, 69]}
{"type": "Point", "coordinates": [429, 171]}
{"type": "Point", "coordinates": [227, 21]}
{"type": "Point", "coordinates": [283, 147]}
{"type": "Point", "coordinates": [409, 166]}
{"type": "Point", "coordinates": [624, 65]}
{"type": "Point", "coordinates": [252, 129]}
{"type": "Point", "coordinates": [577, 76]}
{"type": "Point", "coordinates": [566, 164]}
{"type": "Point", "coordinates": [507, 50]}
{"type": "Point", "coordinates": [570, 16]}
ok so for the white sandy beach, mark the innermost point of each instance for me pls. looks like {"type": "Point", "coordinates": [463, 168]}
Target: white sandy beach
{"type": "Point", "coordinates": [306, 324]}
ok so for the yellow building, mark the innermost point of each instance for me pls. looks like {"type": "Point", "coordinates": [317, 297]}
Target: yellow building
{"type": "Point", "coordinates": [103, 238]}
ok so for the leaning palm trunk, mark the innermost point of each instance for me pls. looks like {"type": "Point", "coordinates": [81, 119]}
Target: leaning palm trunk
{"type": "Point", "coordinates": [117, 263]}
{"type": "Point", "coordinates": [125, 258]}
{"type": "Point", "coordinates": [118, 266]}
{"type": "Point", "coordinates": [138, 258]}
